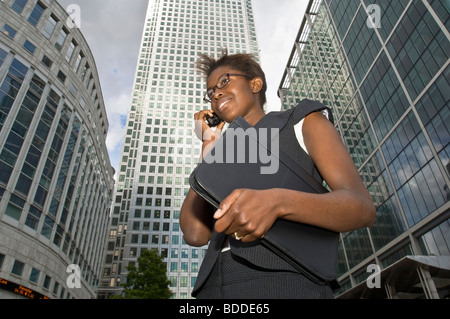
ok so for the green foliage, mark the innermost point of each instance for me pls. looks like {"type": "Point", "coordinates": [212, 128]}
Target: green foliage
{"type": "Point", "coordinates": [148, 280]}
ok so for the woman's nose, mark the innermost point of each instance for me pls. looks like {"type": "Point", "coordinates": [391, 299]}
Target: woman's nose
{"type": "Point", "coordinates": [218, 94]}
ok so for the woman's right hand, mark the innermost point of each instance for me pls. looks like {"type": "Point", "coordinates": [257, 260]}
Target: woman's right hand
{"type": "Point", "coordinates": [206, 134]}
{"type": "Point", "coordinates": [202, 130]}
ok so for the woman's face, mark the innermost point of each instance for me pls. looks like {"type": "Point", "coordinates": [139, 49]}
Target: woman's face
{"type": "Point", "coordinates": [238, 97]}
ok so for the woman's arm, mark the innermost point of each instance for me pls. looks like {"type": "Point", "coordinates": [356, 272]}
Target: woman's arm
{"type": "Point", "coordinates": [348, 206]}
{"type": "Point", "coordinates": [196, 220]}
{"type": "Point", "coordinates": [196, 215]}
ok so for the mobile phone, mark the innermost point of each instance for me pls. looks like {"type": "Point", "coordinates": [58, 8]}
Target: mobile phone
{"type": "Point", "coordinates": [214, 120]}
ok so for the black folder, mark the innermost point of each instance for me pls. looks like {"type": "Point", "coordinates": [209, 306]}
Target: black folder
{"type": "Point", "coordinates": [311, 250]}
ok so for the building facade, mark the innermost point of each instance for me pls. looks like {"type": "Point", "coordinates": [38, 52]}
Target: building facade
{"type": "Point", "coordinates": [56, 179]}
{"type": "Point", "coordinates": [160, 149]}
{"type": "Point", "coordinates": [383, 68]}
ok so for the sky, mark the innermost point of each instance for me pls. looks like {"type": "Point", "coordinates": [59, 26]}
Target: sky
{"type": "Point", "coordinates": [113, 31]}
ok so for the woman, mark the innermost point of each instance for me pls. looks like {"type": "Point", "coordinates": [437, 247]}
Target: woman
{"type": "Point", "coordinates": [236, 264]}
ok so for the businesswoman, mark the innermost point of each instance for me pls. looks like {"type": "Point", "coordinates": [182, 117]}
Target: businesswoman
{"type": "Point", "coordinates": [237, 265]}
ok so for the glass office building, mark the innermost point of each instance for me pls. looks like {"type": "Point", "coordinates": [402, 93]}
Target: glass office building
{"type": "Point", "coordinates": [160, 149]}
{"type": "Point", "coordinates": [383, 68]}
{"type": "Point", "coordinates": [56, 179]}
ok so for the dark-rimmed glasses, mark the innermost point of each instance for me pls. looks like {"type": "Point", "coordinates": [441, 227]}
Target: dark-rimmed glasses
{"type": "Point", "coordinates": [221, 83]}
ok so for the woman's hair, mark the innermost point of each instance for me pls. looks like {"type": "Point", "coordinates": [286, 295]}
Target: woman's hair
{"type": "Point", "coordinates": [244, 63]}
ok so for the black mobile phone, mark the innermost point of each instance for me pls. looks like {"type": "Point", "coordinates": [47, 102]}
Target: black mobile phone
{"type": "Point", "coordinates": [214, 120]}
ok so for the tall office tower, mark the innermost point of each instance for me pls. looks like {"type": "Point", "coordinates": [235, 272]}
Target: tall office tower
{"type": "Point", "coordinates": [56, 180]}
{"type": "Point", "coordinates": [160, 149]}
{"type": "Point", "coordinates": [383, 68]}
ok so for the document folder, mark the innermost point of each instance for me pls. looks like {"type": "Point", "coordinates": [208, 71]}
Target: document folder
{"type": "Point", "coordinates": [311, 250]}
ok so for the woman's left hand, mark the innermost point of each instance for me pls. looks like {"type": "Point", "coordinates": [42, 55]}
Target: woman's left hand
{"type": "Point", "coordinates": [248, 214]}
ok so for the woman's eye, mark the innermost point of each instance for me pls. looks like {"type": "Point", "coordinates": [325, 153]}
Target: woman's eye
{"type": "Point", "coordinates": [223, 82]}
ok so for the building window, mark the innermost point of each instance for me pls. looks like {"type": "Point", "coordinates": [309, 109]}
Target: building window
{"type": "Point", "coordinates": [61, 76]}
{"type": "Point", "coordinates": [77, 64]}
{"type": "Point", "coordinates": [173, 281]}
{"type": "Point", "coordinates": [18, 5]}
{"type": "Point", "coordinates": [2, 259]}
{"type": "Point", "coordinates": [435, 242]}
{"type": "Point", "coordinates": [49, 27]}
{"type": "Point", "coordinates": [15, 206]}
{"type": "Point", "coordinates": [47, 281]}
{"type": "Point", "coordinates": [70, 50]}
{"type": "Point", "coordinates": [55, 288]}
{"type": "Point", "coordinates": [61, 38]}
{"type": "Point", "coordinates": [33, 217]}
{"type": "Point", "coordinates": [183, 281]}
{"type": "Point", "coordinates": [73, 90]}
{"type": "Point", "coordinates": [36, 14]}
{"type": "Point", "coordinates": [30, 47]}
{"type": "Point", "coordinates": [17, 268]}
{"type": "Point", "coordinates": [47, 227]}
{"type": "Point", "coordinates": [47, 62]}
{"type": "Point", "coordinates": [10, 32]}
{"type": "Point", "coordinates": [34, 275]}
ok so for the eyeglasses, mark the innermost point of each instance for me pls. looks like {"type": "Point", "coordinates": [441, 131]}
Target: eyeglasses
{"type": "Point", "coordinates": [221, 83]}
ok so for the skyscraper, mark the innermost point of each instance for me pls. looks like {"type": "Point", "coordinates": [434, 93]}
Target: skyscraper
{"type": "Point", "coordinates": [383, 68]}
{"type": "Point", "coordinates": [160, 149]}
{"type": "Point", "coordinates": [56, 179]}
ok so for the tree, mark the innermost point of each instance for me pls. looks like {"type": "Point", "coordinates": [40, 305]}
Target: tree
{"type": "Point", "coordinates": [148, 280]}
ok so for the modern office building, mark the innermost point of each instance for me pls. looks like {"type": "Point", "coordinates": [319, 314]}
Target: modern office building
{"type": "Point", "coordinates": [56, 179]}
{"type": "Point", "coordinates": [160, 149]}
{"type": "Point", "coordinates": [383, 68]}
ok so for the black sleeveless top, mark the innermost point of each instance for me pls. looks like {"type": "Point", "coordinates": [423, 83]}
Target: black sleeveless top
{"type": "Point", "coordinates": [256, 253]}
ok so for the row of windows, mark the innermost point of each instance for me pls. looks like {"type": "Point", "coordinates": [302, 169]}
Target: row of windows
{"type": "Point", "coordinates": [177, 159]}
{"type": "Point", "coordinates": [184, 267]}
{"type": "Point", "coordinates": [418, 181]}
{"type": "Point", "coordinates": [391, 11]}
{"type": "Point", "coordinates": [156, 226]}
{"type": "Point", "coordinates": [140, 201]}
{"type": "Point", "coordinates": [202, 6]}
{"type": "Point", "coordinates": [54, 226]}
{"type": "Point", "coordinates": [361, 45]}
{"type": "Point", "coordinates": [182, 282]}
{"type": "Point", "coordinates": [418, 188]}
{"type": "Point", "coordinates": [343, 12]}
{"type": "Point", "coordinates": [175, 254]}
{"type": "Point", "coordinates": [60, 237]}
{"type": "Point", "coordinates": [435, 242]}
{"type": "Point", "coordinates": [160, 180]}
{"type": "Point", "coordinates": [36, 277]}
{"type": "Point", "coordinates": [419, 48]}
{"type": "Point", "coordinates": [155, 239]}
{"type": "Point", "coordinates": [73, 56]}
{"type": "Point", "coordinates": [226, 18]}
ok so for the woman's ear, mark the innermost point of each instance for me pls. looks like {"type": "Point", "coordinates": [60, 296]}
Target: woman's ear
{"type": "Point", "coordinates": [256, 84]}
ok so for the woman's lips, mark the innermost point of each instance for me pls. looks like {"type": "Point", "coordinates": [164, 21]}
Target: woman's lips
{"type": "Point", "coordinates": [223, 103]}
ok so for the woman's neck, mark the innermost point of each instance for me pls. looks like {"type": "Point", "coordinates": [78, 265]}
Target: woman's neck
{"type": "Point", "coordinates": [255, 116]}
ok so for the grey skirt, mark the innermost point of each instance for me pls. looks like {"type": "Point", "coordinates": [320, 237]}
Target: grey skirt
{"type": "Point", "coordinates": [235, 278]}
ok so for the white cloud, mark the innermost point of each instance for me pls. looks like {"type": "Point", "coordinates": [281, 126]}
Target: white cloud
{"type": "Point", "coordinates": [113, 30]}
{"type": "Point", "coordinates": [118, 109]}
{"type": "Point", "coordinates": [277, 25]}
